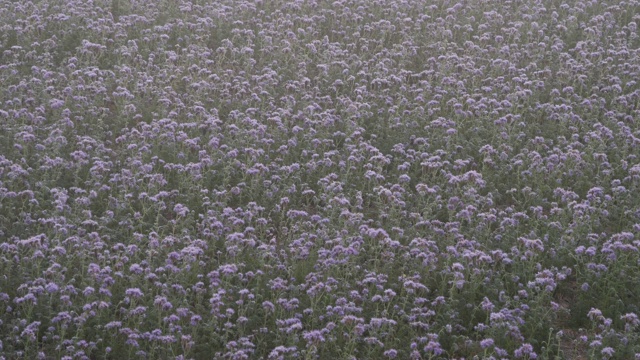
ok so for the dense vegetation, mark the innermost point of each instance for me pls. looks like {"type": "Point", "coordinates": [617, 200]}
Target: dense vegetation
{"type": "Point", "coordinates": [273, 179]}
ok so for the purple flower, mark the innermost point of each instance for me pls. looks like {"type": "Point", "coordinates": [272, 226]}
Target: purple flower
{"type": "Point", "coordinates": [486, 343]}
{"type": "Point", "coordinates": [391, 354]}
{"type": "Point", "coordinates": [595, 314]}
{"type": "Point", "coordinates": [162, 303]}
{"type": "Point", "coordinates": [138, 310]}
{"type": "Point", "coordinates": [56, 103]}
{"type": "Point", "coordinates": [268, 305]}
{"type": "Point", "coordinates": [136, 269]}
{"type": "Point", "coordinates": [433, 346]}
{"type": "Point", "coordinates": [113, 324]}
{"type": "Point", "coordinates": [228, 269]}
{"type": "Point", "coordinates": [51, 287]}
{"type": "Point", "coordinates": [525, 350]}
{"type": "Point", "coordinates": [195, 320]}
{"type": "Point", "coordinates": [631, 321]}
{"type": "Point", "coordinates": [134, 293]}
{"type": "Point", "coordinates": [607, 352]}
{"type": "Point", "coordinates": [501, 352]}
{"type": "Point", "coordinates": [181, 210]}
{"type": "Point", "coordinates": [313, 338]}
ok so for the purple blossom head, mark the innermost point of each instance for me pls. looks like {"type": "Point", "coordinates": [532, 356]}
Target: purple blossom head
{"type": "Point", "coordinates": [313, 338]}
{"type": "Point", "coordinates": [486, 343]}
{"type": "Point", "coordinates": [134, 293]}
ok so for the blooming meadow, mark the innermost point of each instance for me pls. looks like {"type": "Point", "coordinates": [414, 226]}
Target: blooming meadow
{"type": "Point", "coordinates": [351, 179]}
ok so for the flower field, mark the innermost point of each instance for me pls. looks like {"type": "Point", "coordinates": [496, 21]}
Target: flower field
{"type": "Point", "coordinates": [350, 179]}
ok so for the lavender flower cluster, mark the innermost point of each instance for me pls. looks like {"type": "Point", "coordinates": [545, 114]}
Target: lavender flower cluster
{"type": "Point", "coordinates": [353, 179]}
